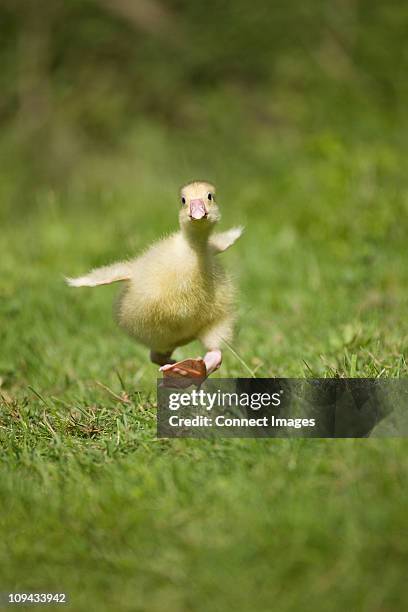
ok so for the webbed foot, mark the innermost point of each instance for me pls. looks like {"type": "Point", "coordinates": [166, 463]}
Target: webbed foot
{"type": "Point", "coordinates": [191, 371]}
{"type": "Point", "coordinates": [184, 373]}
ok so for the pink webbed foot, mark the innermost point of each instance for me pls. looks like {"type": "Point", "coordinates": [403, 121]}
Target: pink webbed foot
{"type": "Point", "coordinates": [190, 371]}
{"type": "Point", "coordinates": [184, 373]}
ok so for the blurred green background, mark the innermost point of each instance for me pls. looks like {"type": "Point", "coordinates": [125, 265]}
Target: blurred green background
{"type": "Point", "coordinates": [297, 112]}
{"type": "Point", "coordinates": [100, 77]}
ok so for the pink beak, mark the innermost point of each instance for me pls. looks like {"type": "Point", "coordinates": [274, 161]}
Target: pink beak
{"type": "Point", "coordinates": [197, 209]}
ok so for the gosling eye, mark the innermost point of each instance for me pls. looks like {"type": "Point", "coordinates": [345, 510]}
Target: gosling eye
{"type": "Point", "coordinates": [210, 196]}
{"type": "Point", "coordinates": [183, 200]}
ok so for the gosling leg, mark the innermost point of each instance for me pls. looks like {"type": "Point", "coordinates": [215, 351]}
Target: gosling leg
{"type": "Point", "coordinates": [161, 358]}
{"type": "Point", "coordinates": [213, 360]}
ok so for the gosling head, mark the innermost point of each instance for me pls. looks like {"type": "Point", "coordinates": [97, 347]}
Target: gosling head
{"type": "Point", "coordinates": [199, 212]}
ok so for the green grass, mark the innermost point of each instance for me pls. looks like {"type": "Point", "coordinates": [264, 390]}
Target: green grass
{"type": "Point", "coordinates": [91, 503]}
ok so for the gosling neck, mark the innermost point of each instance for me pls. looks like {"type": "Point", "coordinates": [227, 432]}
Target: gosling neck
{"type": "Point", "coordinates": [197, 238]}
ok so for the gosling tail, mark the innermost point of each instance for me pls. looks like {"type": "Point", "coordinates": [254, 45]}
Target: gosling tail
{"type": "Point", "coordinates": [103, 276]}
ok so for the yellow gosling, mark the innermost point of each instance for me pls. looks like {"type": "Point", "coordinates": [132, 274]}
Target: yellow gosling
{"type": "Point", "coordinates": [177, 291]}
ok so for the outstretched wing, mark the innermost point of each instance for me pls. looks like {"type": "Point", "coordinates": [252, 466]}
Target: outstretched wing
{"type": "Point", "coordinates": [222, 242]}
{"type": "Point", "coordinates": [103, 276]}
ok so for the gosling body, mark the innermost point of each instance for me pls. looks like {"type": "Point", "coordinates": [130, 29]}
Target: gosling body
{"type": "Point", "coordinates": [175, 294]}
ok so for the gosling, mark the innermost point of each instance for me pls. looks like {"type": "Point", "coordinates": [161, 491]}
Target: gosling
{"type": "Point", "coordinates": [177, 291]}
